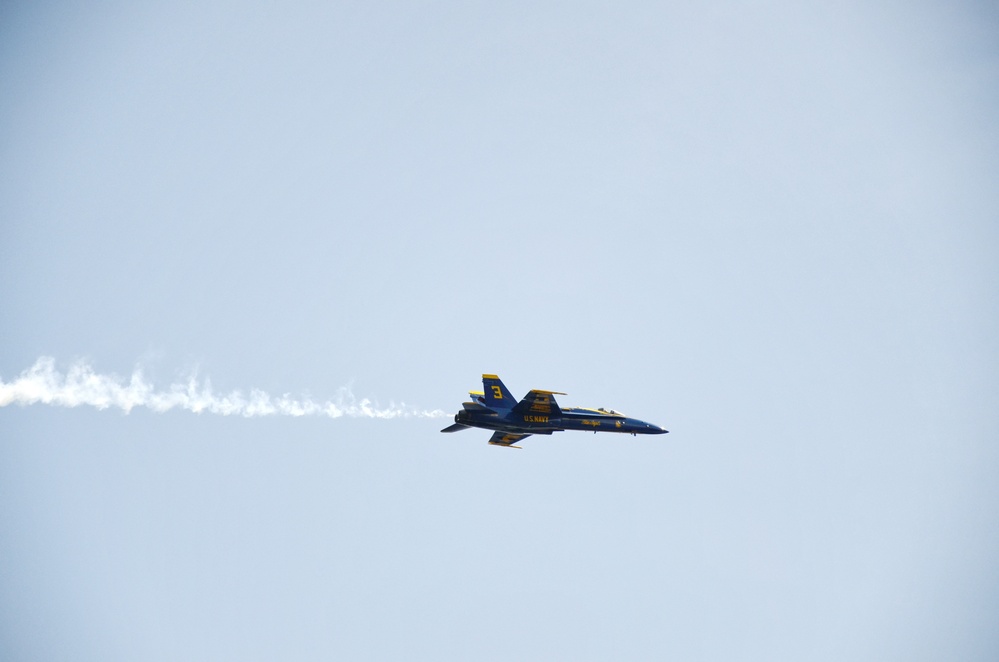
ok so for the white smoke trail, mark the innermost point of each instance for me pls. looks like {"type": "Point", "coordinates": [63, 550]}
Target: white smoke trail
{"type": "Point", "coordinates": [81, 385]}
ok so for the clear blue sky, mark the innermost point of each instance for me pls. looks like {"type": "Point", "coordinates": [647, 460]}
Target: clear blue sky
{"type": "Point", "coordinates": [771, 229]}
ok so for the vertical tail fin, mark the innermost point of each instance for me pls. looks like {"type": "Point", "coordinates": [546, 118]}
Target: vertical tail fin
{"type": "Point", "coordinates": [496, 394]}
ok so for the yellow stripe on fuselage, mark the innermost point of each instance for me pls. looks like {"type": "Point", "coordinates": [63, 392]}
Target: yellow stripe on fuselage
{"type": "Point", "coordinates": [595, 411]}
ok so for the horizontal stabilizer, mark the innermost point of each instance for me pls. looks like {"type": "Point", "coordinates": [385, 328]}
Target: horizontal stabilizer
{"type": "Point", "coordinates": [457, 427]}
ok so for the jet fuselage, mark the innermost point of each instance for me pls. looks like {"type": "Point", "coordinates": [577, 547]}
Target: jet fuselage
{"type": "Point", "coordinates": [495, 408]}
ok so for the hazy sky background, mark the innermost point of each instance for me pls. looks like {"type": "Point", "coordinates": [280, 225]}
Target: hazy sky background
{"type": "Point", "coordinates": [771, 229]}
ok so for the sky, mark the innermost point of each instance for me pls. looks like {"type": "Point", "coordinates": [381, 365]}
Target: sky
{"type": "Point", "coordinates": [766, 227]}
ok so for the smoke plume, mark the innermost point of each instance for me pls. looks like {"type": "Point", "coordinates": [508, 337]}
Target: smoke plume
{"type": "Point", "coordinates": [81, 385]}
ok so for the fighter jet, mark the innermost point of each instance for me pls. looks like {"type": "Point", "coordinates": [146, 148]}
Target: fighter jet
{"type": "Point", "coordinates": [494, 408]}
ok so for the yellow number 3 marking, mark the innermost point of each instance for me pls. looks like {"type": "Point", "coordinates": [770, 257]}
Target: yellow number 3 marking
{"type": "Point", "coordinates": [497, 393]}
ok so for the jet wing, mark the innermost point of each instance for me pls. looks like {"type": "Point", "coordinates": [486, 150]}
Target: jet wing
{"type": "Point", "coordinates": [457, 427]}
{"type": "Point", "coordinates": [507, 439]}
{"type": "Point", "coordinates": [539, 402]}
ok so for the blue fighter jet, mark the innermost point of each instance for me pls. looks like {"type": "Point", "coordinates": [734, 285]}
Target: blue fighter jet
{"type": "Point", "coordinates": [495, 409]}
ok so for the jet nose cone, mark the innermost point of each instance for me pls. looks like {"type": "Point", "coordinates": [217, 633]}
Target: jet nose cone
{"type": "Point", "coordinates": [655, 429]}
